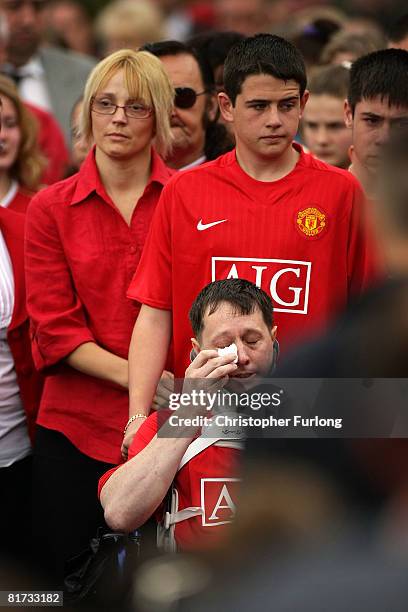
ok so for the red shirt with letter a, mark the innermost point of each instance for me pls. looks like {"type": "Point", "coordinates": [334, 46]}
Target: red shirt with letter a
{"type": "Point", "coordinates": [207, 485]}
{"type": "Point", "coordinates": [302, 238]}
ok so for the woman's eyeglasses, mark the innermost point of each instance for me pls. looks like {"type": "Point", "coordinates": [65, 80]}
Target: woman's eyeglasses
{"type": "Point", "coordinates": [186, 97]}
{"type": "Point", "coordinates": [102, 106]}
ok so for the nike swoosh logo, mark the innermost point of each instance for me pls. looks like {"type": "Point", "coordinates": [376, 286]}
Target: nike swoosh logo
{"type": "Point", "coordinates": [203, 226]}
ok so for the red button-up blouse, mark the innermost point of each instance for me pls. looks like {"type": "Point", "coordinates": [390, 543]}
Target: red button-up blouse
{"type": "Point", "coordinates": [80, 258]}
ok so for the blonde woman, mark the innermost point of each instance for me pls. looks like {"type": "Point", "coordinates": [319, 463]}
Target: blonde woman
{"type": "Point", "coordinates": [84, 239]}
{"type": "Point", "coordinates": [21, 164]}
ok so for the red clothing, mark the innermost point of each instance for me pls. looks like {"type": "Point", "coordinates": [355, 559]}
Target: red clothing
{"type": "Point", "coordinates": [29, 380]}
{"type": "Point", "coordinates": [209, 481]}
{"type": "Point", "coordinates": [52, 145]}
{"type": "Point", "coordinates": [80, 258]}
{"type": "Point", "coordinates": [300, 238]}
{"type": "Point", "coordinates": [21, 200]}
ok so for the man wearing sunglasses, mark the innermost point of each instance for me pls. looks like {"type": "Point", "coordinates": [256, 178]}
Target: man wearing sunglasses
{"type": "Point", "coordinates": [195, 105]}
{"type": "Point", "coordinates": [47, 77]}
{"type": "Point", "coordinates": [267, 212]}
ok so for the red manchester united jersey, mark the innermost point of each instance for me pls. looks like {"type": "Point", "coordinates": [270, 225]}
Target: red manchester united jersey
{"type": "Point", "coordinates": [302, 238]}
{"type": "Point", "coordinates": [206, 489]}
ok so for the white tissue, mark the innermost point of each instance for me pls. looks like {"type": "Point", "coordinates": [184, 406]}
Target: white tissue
{"type": "Point", "coordinates": [229, 350]}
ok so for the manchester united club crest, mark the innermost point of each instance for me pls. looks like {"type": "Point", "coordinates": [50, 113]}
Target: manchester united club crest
{"type": "Point", "coordinates": [311, 221]}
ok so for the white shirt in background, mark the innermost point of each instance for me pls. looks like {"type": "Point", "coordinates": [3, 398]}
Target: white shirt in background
{"type": "Point", "coordinates": [14, 440]}
{"type": "Point", "coordinates": [32, 84]}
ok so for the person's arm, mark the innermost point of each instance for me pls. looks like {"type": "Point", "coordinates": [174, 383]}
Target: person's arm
{"type": "Point", "coordinates": [59, 327]}
{"type": "Point", "coordinates": [147, 357]}
{"type": "Point", "coordinates": [136, 489]}
{"type": "Point", "coordinates": [152, 287]}
{"type": "Point", "coordinates": [93, 360]}
{"type": "Point", "coordinates": [58, 322]}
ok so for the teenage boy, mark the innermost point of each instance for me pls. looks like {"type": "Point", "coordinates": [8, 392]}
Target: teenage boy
{"type": "Point", "coordinates": [376, 101]}
{"type": "Point", "coordinates": [266, 212]}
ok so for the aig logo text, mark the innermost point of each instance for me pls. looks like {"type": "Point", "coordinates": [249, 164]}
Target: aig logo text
{"type": "Point", "coordinates": [286, 280]}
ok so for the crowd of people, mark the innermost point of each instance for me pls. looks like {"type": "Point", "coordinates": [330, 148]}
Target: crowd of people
{"type": "Point", "coordinates": [176, 180]}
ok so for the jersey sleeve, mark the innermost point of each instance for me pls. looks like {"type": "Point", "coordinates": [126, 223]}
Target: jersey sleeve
{"type": "Point", "coordinates": [152, 282]}
{"type": "Point", "coordinates": [364, 267]}
{"type": "Point", "coordinates": [58, 324]}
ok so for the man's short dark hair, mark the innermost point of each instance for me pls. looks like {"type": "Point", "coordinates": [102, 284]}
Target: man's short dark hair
{"type": "Point", "coordinates": [175, 47]}
{"type": "Point", "coordinates": [242, 295]}
{"type": "Point", "coordinates": [263, 54]}
{"type": "Point", "coordinates": [399, 29]}
{"type": "Point", "coordinates": [215, 46]}
{"type": "Point", "coordinates": [382, 74]}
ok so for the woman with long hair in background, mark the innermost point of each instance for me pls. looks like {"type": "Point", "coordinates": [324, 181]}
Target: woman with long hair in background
{"type": "Point", "coordinates": [21, 163]}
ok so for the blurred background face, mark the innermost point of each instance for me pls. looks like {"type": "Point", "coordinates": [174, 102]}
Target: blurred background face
{"type": "Point", "coordinates": [10, 135]}
{"type": "Point", "coordinates": [69, 25]}
{"type": "Point", "coordinates": [128, 24]}
{"type": "Point", "coordinates": [25, 21]}
{"type": "Point", "coordinates": [187, 124]}
{"type": "Point", "coordinates": [245, 16]}
{"type": "Point", "coordinates": [324, 130]}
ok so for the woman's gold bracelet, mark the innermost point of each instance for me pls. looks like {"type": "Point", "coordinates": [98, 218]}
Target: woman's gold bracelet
{"type": "Point", "coordinates": [132, 418]}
